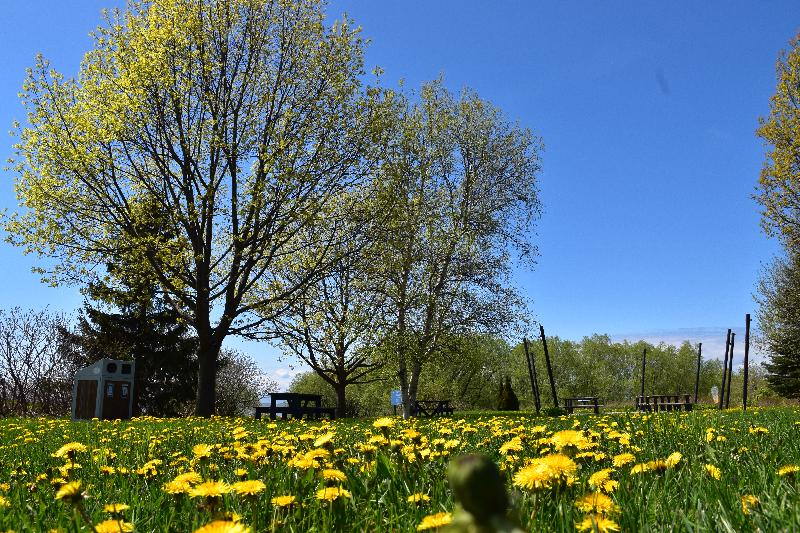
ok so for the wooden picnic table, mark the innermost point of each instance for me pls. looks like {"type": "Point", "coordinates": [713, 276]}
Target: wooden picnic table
{"type": "Point", "coordinates": [431, 408]}
{"type": "Point", "coordinates": [582, 402]}
{"type": "Point", "coordinates": [297, 405]}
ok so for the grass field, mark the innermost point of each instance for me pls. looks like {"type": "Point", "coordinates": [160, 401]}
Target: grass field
{"type": "Point", "coordinates": [734, 471]}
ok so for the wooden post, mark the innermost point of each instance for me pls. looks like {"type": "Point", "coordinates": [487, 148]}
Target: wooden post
{"type": "Point", "coordinates": [697, 377]}
{"type": "Point", "coordinates": [644, 362]}
{"type": "Point", "coordinates": [724, 371]}
{"type": "Point", "coordinates": [730, 374]}
{"type": "Point", "coordinates": [746, 356]}
{"type": "Point", "coordinates": [532, 375]}
{"type": "Point", "coordinates": [549, 368]}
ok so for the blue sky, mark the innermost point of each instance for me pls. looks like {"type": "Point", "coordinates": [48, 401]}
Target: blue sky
{"type": "Point", "coordinates": [647, 111]}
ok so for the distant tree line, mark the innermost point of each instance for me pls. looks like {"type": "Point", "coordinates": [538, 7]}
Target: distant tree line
{"type": "Point", "coordinates": [472, 371]}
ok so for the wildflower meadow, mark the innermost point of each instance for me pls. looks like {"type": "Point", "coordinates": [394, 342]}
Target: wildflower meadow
{"type": "Point", "coordinates": [705, 470]}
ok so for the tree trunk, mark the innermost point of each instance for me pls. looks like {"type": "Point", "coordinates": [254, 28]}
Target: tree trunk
{"type": "Point", "coordinates": [207, 357]}
{"type": "Point", "coordinates": [413, 384]}
{"type": "Point", "coordinates": [341, 405]}
{"type": "Point", "coordinates": [402, 375]}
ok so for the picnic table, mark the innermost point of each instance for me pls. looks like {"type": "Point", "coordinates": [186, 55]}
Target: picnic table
{"type": "Point", "coordinates": [431, 408]}
{"type": "Point", "coordinates": [297, 405]}
{"type": "Point", "coordinates": [582, 402]}
{"type": "Point", "coordinates": [664, 402]}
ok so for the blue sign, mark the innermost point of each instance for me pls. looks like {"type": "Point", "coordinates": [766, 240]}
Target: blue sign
{"type": "Point", "coordinates": [397, 398]}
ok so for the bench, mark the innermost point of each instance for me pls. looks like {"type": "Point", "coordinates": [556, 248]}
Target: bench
{"type": "Point", "coordinates": [664, 402]}
{"type": "Point", "coordinates": [297, 406]}
{"type": "Point", "coordinates": [583, 402]}
{"type": "Point", "coordinates": [431, 408]}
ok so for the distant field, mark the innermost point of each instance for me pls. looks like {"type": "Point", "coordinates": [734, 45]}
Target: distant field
{"type": "Point", "coordinates": [735, 471]}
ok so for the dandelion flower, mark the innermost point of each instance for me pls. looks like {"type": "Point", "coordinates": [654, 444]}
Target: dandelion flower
{"type": "Point", "coordinates": [332, 474]}
{"type": "Point", "coordinates": [433, 521]}
{"type": "Point", "coordinates": [749, 502]}
{"type": "Point", "coordinates": [323, 440]}
{"type": "Point", "coordinates": [384, 423]}
{"type": "Point", "coordinates": [332, 493]}
{"type": "Point", "coordinates": [568, 437]}
{"type": "Point", "coordinates": [602, 480]}
{"type": "Point", "coordinates": [210, 489]}
{"type": "Point", "coordinates": [673, 459]}
{"type": "Point", "coordinates": [250, 487]}
{"type": "Point", "coordinates": [596, 502]}
{"type": "Point", "coordinates": [202, 451]}
{"type": "Point", "coordinates": [188, 477]}
{"type": "Point", "coordinates": [70, 449]}
{"type": "Point", "coordinates": [713, 471]}
{"type": "Point", "coordinates": [116, 508]}
{"type": "Point", "coordinates": [418, 498]}
{"type": "Point", "coordinates": [283, 501]}
{"type": "Point", "coordinates": [113, 526]}
{"type": "Point", "coordinates": [177, 487]}
{"type": "Point", "coordinates": [4, 502]}
{"type": "Point", "coordinates": [70, 491]}
{"type": "Point", "coordinates": [223, 526]}
{"type": "Point", "coordinates": [597, 523]}
{"type": "Point", "coordinates": [623, 459]}
{"type": "Point", "coordinates": [788, 469]}
{"type": "Point", "coordinates": [542, 471]}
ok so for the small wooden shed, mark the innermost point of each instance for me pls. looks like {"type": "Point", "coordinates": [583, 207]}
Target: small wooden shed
{"type": "Point", "coordinates": [103, 390]}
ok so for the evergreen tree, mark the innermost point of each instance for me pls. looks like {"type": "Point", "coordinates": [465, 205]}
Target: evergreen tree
{"type": "Point", "coordinates": [779, 319]}
{"type": "Point", "coordinates": [136, 325]}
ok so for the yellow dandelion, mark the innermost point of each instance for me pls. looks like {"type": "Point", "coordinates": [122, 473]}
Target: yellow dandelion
{"type": "Point", "coordinates": [177, 487]}
{"type": "Point", "coordinates": [223, 526]}
{"type": "Point", "coordinates": [116, 508]}
{"type": "Point", "coordinates": [433, 521]}
{"type": "Point", "coordinates": [640, 468]}
{"type": "Point", "coordinates": [202, 451]}
{"type": "Point", "coordinates": [210, 489]}
{"type": "Point", "coordinates": [598, 523]}
{"type": "Point", "coordinates": [749, 502]}
{"type": "Point", "coordinates": [70, 449]}
{"type": "Point", "coordinates": [542, 471]}
{"type": "Point", "coordinates": [70, 491]}
{"type": "Point", "coordinates": [514, 445]}
{"type": "Point", "coordinates": [250, 487]}
{"type": "Point", "coordinates": [788, 470]}
{"type": "Point", "coordinates": [324, 440]}
{"type": "Point", "coordinates": [188, 477]}
{"type": "Point", "coordinates": [601, 480]}
{"type": "Point", "coordinates": [713, 471]}
{"type": "Point", "coordinates": [418, 498]}
{"type": "Point", "coordinates": [331, 474]}
{"type": "Point", "coordinates": [4, 502]}
{"type": "Point", "coordinates": [332, 493]}
{"type": "Point", "coordinates": [758, 431]}
{"type": "Point", "coordinates": [596, 502]}
{"type": "Point", "coordinates": [384, 423]}
{"type": "Point", "coordinates": [113, 526]}
{"type": "Point", "coordinates": [283, 501]}
{"type": "Point", "coordinates": [623, 459]}
{"type": "Point", "coordinates": [568, 437]}
{"type": "Point", "coordinates": [673, 459]}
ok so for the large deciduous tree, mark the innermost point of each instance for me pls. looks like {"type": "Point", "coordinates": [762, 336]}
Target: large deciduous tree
{"type": "Point", "coordinates": [779, 196]}
{"type": "Point", "coordinates": [459, 185]}
{"type": "Point", "coordinates": [237, 121]}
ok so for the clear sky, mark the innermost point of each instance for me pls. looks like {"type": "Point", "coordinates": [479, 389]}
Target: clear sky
{"type": "Point", "coordinates": [647, 111]}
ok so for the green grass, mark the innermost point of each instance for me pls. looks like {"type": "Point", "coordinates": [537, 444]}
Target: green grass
{"type": "Point", "coordinates": [684, 498]}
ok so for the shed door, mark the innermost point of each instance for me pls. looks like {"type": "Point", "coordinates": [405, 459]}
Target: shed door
{"type": "Point", "coordinates": [116, 399]}
{"type": "Point", "coordinates": [86, 399]}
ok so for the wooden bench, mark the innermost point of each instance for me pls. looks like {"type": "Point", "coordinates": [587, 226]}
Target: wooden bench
{"type": "Point", "coordinates": [431, 408]}
{"type": "Point", "coordinates": [664, 402]}
{"type": "Point", "coordinates": [583, 402]}
{"type": "Point", "coordinates": [297, 406]}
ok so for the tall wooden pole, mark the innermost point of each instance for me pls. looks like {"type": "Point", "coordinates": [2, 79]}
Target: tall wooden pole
{"type": "Point", "coordinates": [644, 362]}
{"type": "Point", "coordinates": [724, 371]}
{"type": "Point", "coordinates": [730, 374]}
{"type": "Point", "coordinates": [697, 377]}
{"type": "Point", "coordinates": [549, 368]}
{"type": "Point", "coordinates": [532, 375]}
{"type": "Point", "coordinates": [746, 357]}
